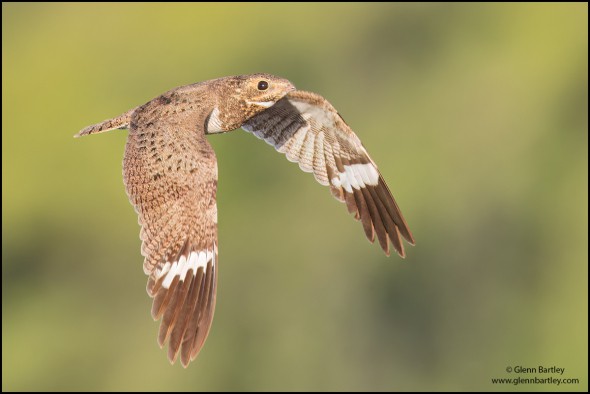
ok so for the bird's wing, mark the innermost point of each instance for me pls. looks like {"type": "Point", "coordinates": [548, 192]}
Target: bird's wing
{"type": "Point", "coordinates": [308, 130]}
{"type": "Point", "coordinates": [171, 178]}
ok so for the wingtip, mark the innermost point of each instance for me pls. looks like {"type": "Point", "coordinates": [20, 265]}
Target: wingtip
{"type": "Point", "coordinates": [408, 236]}
{"type": "Point", "coordinates": [401, 251]}
{"type": "Point", "coordinates": [386, 248]}
{"type": "Point", "coordinates": [172, 354]}
{"type": "Point", "coordinates": [185, 363]}
{"type": "Point", "coordinates": [400, 254]}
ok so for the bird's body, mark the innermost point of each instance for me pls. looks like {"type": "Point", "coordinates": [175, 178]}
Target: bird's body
{"type": "Point", "coordinates": [170, 175]}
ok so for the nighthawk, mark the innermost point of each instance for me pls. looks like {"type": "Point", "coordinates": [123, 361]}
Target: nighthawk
{"type": "Point", "coordinates": [170, 175]}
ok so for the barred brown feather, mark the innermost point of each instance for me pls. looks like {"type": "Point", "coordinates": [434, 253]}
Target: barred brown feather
{"type": "Point", "coordinates": [308, 130]}
{"type": "Point", "coordinates": [170, 175]}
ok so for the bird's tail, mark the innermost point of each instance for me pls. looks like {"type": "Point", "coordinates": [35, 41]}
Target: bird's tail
{"type": "Point", "coordinates": [119, 122]}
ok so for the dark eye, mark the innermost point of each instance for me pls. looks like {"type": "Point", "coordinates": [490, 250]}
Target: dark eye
{"type": "Point", "coordinates": [262, 85]}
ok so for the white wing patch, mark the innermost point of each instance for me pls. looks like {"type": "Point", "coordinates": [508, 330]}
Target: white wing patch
{"type": "Point", "coordinates": [181, 267]}
{"type": "Point", "coordinates": [356, 176]}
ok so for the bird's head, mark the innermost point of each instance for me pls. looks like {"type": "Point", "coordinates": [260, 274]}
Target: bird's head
{"type": "Point", "coordinates": [240, 98]}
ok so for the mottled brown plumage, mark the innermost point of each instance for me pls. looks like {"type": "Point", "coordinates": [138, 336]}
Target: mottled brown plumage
{"type": "Point", "coordinates": [170, 175]}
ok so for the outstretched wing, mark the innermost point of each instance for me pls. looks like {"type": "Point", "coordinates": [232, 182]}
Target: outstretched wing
{"type": "Point", "coordinates": [171, 178]}
{"type": "Point", "coordinates": [308, 130]}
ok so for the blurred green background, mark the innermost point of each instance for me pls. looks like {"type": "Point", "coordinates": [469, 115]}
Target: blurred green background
{"type": "Point", "coordinates": [477, 115]}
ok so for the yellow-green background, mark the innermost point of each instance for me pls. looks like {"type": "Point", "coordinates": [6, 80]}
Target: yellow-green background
{"type": "Point", "coordinates": [475, 113]}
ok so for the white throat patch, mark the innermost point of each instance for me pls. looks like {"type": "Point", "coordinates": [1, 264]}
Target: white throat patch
{"type": "Point", "coordinates": [214, 125]}
{"type": "Point", "coordinates": [265, 104]}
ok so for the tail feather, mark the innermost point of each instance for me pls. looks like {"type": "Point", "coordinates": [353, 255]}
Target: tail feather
{"type": "Point", "coordinates": [119, 122]}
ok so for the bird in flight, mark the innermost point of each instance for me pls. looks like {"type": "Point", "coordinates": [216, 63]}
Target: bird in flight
{"type": "Point", "coordinates": [170, 175]}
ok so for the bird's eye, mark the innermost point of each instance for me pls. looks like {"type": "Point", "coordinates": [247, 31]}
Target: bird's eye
{"type": "Point", "coordinates": [262, 85]}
